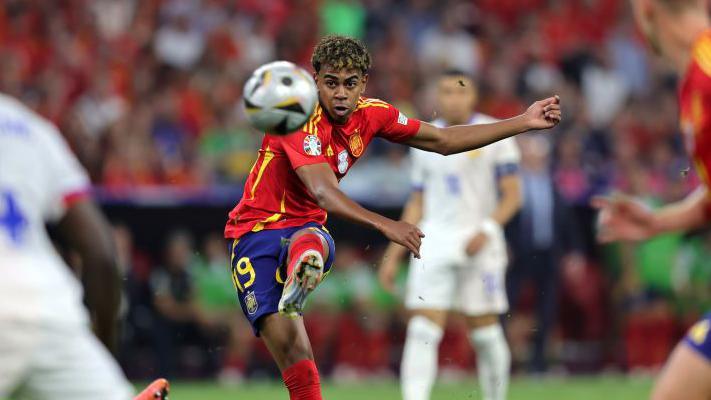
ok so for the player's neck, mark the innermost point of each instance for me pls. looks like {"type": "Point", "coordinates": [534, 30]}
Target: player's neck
{"type": "Point", "coordinates": [687, 29]}
{"type": "Point", "coordinates": [458, 121]}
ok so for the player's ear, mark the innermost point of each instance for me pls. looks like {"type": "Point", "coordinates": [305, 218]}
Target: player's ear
{"type": "Point", "coordinates": [642, 10]}
{"type": "Point", "coordinates": [364, 80]}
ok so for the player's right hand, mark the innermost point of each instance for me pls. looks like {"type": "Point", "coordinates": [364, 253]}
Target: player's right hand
{"type": "Point", "coordinates": [404, 234]}
{"type": "Point", "coordinates": [622, 218]}
{"type": "Point", "coordinates": [543, 114]}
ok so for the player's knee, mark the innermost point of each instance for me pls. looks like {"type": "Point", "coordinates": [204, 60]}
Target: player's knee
{"type": "Point", "coordinates": [481, 321]}
{"type": "Point", "coordinates": [425, 330]}
{"type": "Point", "coordinates": [310, 237]}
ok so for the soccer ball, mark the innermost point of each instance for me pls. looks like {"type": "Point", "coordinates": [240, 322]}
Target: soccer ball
{"type": "Point", "coordinates": [279, 97]}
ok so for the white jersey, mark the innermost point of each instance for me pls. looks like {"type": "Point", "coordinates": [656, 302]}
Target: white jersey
{"type": "Point", "coordinates": [460, 190]}
{"type": "Point", "coordinates": [38, 177]}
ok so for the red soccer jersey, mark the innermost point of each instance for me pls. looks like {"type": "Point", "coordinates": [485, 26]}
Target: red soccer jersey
{"type": "Point", "coordinates": [695, 106]}
{"type": "Point", "coordinates": [274, 197]}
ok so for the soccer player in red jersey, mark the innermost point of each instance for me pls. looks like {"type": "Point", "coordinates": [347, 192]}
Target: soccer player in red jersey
{"type": "Point", "coordinates": [280, 249]}
{"type": "Point", "coordinates": [679, 31]}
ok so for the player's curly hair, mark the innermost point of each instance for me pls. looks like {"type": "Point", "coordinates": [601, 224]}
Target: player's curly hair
{"type": "Point", "coordinates": [341, 52]}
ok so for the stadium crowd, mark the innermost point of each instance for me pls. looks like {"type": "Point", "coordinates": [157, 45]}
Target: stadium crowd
{"type": "Point", "coordinates": [148, 93]}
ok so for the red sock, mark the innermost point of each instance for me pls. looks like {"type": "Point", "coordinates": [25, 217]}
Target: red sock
{"type": "Point", "coordinates": [302, 381]}
{"type": "Point", "coordinates": [307, 241]}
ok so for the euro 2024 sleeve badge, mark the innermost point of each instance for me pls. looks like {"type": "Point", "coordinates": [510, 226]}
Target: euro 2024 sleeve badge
{"type": "Point", "coordinates": [312, 145]}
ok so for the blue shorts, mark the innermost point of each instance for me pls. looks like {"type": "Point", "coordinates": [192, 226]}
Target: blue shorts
{"type": "Point", "coordinates": [698, 337]}
{"type": "Point", "coordinates": [258, 262]}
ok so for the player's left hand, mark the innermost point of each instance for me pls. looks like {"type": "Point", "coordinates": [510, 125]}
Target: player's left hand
{"type": "Point", "coordinates": [543, 114]}
{"type": "Point", "coordinates": [476, 243]}
{"type": "Point", "coordinates": [622, 218]}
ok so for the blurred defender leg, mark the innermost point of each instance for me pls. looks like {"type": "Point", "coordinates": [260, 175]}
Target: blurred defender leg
{"type": "Point", "coordinates": [431, 284]}
{"type": "Point", "coordinates": [418, 370]}
{"type": "Point", "coordinates": [493, 355]}
{"type": "Point", "coordinates": [687, 375]}
{"type": "Point", "coordinates": [71, 364]}
{"type": "Point", "coordinates": [288, 343]}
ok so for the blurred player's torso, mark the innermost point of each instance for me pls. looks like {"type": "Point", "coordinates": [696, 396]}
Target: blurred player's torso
{"type": "Point", "coordinates": [39, 177]}
{"type": "Point", "coordinates": [695, 106]}
{"type": "Point", "coordinates": [459, 190]}
{"type": "Point", "coordinates": [274, 197]}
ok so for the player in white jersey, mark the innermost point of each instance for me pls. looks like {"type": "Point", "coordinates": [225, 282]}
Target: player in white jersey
{"type": "Point", "coordinates": [47, 349]}
{"type": "Point", "coordinates": [461, 203]}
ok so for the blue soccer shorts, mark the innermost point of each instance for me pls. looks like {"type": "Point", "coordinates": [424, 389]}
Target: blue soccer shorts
{"type": "Point", "coordinates": [258, 262]}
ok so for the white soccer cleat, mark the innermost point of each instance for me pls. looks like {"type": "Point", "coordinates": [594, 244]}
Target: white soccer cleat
{"type": "Point", "coordinates": [303, 280]}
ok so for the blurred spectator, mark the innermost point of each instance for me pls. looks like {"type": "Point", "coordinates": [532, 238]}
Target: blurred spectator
{"type": "Point", "coordinates": [179, 43]}
{"type": "Point", "coordinates": [362, 338]}
{"type": "Point", "coordinates": [605, 90]}
{"type": "Point", "coordinates": [215, 295]}
{"type": "Point", "coordinates": [540, 236]}
{"type": "Point", "coordinates": [180, 318]}
{"type": "Point", "coordinates": [448, 45]}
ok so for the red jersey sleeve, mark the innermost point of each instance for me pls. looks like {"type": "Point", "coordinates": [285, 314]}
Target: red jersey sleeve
{"type": "Point", "coordinates": [302, 149]}
{"type": "Point", "coordinates": [393, 124]}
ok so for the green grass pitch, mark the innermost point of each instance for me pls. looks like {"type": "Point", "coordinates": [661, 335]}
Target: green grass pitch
{"type": "Point", "coordinates": [586, 388]}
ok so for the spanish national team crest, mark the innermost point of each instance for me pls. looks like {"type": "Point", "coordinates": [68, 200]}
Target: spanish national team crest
{"type": "Point", "coordinates": [250, 300]}
{"type": "Point", "coordinates": [312, 145]}
{"type": "Point", "coordinates": [356, 144]}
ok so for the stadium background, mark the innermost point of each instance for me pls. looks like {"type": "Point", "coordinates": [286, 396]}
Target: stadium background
{"type": "Point", "coordinates": [147, 94]}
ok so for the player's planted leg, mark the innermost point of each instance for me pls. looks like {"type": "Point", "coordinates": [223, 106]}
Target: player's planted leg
{"type": "Point", "coordinates": [288, 342]}
{"type": "Point", "coordinates": [305, 269]}
{"type": "Point", "coordinates": [493, 356]}
{"type": "Point", "coordinates": [418, 370]}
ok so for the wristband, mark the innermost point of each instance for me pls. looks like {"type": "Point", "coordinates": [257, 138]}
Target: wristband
{"type": "Point", "coordinates": [490, 227]}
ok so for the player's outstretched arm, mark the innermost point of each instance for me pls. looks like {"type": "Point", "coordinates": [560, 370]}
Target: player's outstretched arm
{"type": "Point", "coordinates": [88, 233]}
{"type": "Point", "coordinates": [622, 218]}
{"type": "Point", "coordinates": [412, 213]}
{"type": "Point", "coordinates": [323, 186]}
{"type": "Point", "coordinates": [542, 114]}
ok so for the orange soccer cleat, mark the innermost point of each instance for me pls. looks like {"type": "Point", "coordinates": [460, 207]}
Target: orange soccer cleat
{"type": "Point", "coordinates": [157, 390]}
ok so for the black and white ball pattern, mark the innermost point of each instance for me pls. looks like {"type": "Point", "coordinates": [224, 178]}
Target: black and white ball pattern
{"type": "Point", "coordinates": [279, 97]}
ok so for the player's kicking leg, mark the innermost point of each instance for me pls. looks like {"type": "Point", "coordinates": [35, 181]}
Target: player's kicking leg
{"type": "Point", "coordinates": [305, 268]}
{"type": "Point", "coordinates": [687, 374]}
{"type": "Point", "coordinates": [257, 260]}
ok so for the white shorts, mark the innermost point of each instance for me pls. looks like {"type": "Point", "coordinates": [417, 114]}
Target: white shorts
{"type": "Point", "coordinates": [454, 282]}
{"type": "Point", "coordinates": [46, 361]}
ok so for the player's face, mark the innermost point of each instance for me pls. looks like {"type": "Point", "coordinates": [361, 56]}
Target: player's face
{"type": "Point", "coordinates": [456, 98]}
{"type": "Point", "coordinates": [339, 90]}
